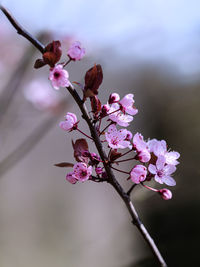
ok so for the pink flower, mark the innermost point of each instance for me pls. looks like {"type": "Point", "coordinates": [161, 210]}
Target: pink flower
{"type": "Point", "coordinates": [59, 77]}
{"type": "Point", "coordinates": [139, 143]}
{"type": "Point", "coordinates": [162, 171]}
{"type": "Point", "coordinates": [129, 136]}
{"type": "Point", "coordinates": [75, 52]}
{"type": "Point", "coordinates": [141, 147]}
{"type": "Point", "coordinates": [138, 174]}
{"type": "Point", "coordinates": [41, 95]}
{"type": "Point", "coordinates": [165, 193]}
{"type": "Point", "coordinates": [71, 178]}
{"type": "Point", "coordinates": [159, 148]}
{"type": "Point", "coordinates": [82, 172]}
{"type": "Point", "coordinates": [70, 122]}
{"type": "Point", "coordinates": [113, 98]}
{"type": "Point", "coordinates": [127, 103]}
{"type": "Point", "coordinates": [117, 116]}
{"type": "Point", "coordinates": [116, 139]}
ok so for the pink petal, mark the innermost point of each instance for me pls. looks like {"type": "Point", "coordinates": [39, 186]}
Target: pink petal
{"type": "Point", "coordinates": [169, 169]}
{"type": "Point", "coordinates": [152, 169]}
{"type": "Point", "coordinates": [168, 180]}
{"type": "Point", "coordinates": [160, 163]}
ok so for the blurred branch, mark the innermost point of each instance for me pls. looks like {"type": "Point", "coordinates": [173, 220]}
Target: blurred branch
{"type": "Point", "coordinates": [25, 147]}
{"type": "Point", "coordinates": [14, 82]}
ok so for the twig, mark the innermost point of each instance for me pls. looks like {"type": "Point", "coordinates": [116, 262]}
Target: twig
{"type": "Point", "coordinates": [22, 31]}
{"type": "Point", "coordinates": [111, 178]}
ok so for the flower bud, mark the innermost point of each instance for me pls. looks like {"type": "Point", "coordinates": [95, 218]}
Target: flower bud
{"type": "Point", "coordinates": [138, 174]}
{"type": "Point", "coordinates": [104, 110]}
{"type": "Point", "coordinates": [70, 122]}
{"type": "Point", "coordinates": [113, 98]}
{"type": "Point", "coordinates": [165, 194]}
{"type": "Point", "coordinates": [98, 170]}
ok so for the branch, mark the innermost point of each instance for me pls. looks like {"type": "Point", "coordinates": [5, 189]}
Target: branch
{"type": "Point", "coordinates": [111, 178]}
{"type": "Point", "coordinates": [22, 31]}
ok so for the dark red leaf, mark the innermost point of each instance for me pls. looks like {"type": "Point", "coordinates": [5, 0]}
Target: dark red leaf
{"type": "Point", "coordinates": [64, 164]}
{"type": "Point", "coordinates": [93, 79]}
{"type": "Point", "coordinates": [39, 63]}
{"type": "Point", "coordinates": [52, 54]}
{"type": "Point", "coordinates": [114, 155]}
{"type": "Point", "coordinates": [80, 146]}
{"type": "Point", "coordinates": [95, 104]}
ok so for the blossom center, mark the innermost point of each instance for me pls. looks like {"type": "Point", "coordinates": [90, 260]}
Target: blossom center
{"type": "Point", "coordinates": [83, 173]}
{"type": "Point", "coordinates": [56, 74]}
{"type": "Point", "coordinates": [160, 173]}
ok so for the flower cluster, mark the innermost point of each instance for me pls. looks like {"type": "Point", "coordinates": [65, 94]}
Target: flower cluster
{"type": "Point", "coordinates": [151, 159]}
{"type": "Point", "coordinates": [58, 75]}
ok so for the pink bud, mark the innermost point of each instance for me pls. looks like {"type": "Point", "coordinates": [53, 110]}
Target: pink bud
{"type": "Point", "coordinates": [113, 98]}
{"type": "Point", "coordinates": [138, 174]}
{"type": "Point", "coordinates": [144, 156]}
{"type": "Point", "coordinates": [104, 110]}
{"type": "Point", "coordinates": [75, 51]}
{"type": "Point", "coordinates": [70, 122]}
{"type": "Point", "coordinates": [98, 170]}
{"type": "Point", "coordinates": [165, 194]}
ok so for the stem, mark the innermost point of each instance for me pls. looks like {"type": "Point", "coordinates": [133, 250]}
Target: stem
{"type": "Point", "coordinates": [131, 189]}
{"type": "Point", "coordinates": [119, 170]}
{"type": "Point", "coordinates": [111, 178]}
{"type": "Point", "coordinates": [126, 153]}
{"type": "Point", "coordinates": [22, 31]}
{"type": "Point", "coordinates": [123, 160]}
{"type": "Point", "coordinates": [67, 63]}
{"type": "Point", "coordinates": [106, 128]}
{"type": "Point", "coordinates": [84, 134]}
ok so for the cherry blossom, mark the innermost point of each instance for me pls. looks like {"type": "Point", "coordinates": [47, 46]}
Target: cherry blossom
{"type": "Point", "coordinates": [165, 193]}
{"type": "Point", "coordinates": [127, 104]}
{"type": "Point", "coordinates": [59, 77]}
{"type": "Point", "coordinates": [141, 147]}
{"type": "Point", "coordinates": [71, 178]}
{"type": "Point", "coordinates": [117, 139]}
{"type": "Point", "coordinates": [75, 52]}
{"type": "Point", "coordinates": [160, 148]}
{"type": "Point", "coordinates": [138, 174]}
{"type": "Point", "coordinates": [70, 122]}
{"type": "Point", "coordinates": [117, 116]}
{"type": "Point", "coordinates": [82, 172]}
{"type": "Point", "coordinates": [40, 94]}
{"type": "Point", "coordinates": [162, 171]}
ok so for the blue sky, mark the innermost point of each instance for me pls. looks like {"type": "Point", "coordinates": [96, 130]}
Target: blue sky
{"type": "Point", "coordinates": [147, 29]}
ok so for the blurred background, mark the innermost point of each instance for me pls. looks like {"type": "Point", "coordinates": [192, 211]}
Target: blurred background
{"type": "Point", "coordinates": [149, 48]}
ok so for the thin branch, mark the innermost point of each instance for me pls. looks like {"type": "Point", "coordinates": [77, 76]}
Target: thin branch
{"type": "Point", "coordinates": [111, 178]}
{"type": "Point", "coordinates": [25, 147]}
{"type": "Point", "coordinates": [131, 189]}
{"type": "Point", "coordinates": [22, 31]}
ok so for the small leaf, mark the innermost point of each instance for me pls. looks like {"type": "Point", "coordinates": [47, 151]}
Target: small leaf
{"type": "Point", "coordinates": [95, 104]}
{"type": "Point", "coordinates": [114, 155]}
{"type": "Point", "coordinates": [39, 63]}
{"type": "Point", "coordinates": [93, 79]}
{"type": "Point", "coordinates": [80, 146]}
{"type": "Point", "coordinates": [64, 164]}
